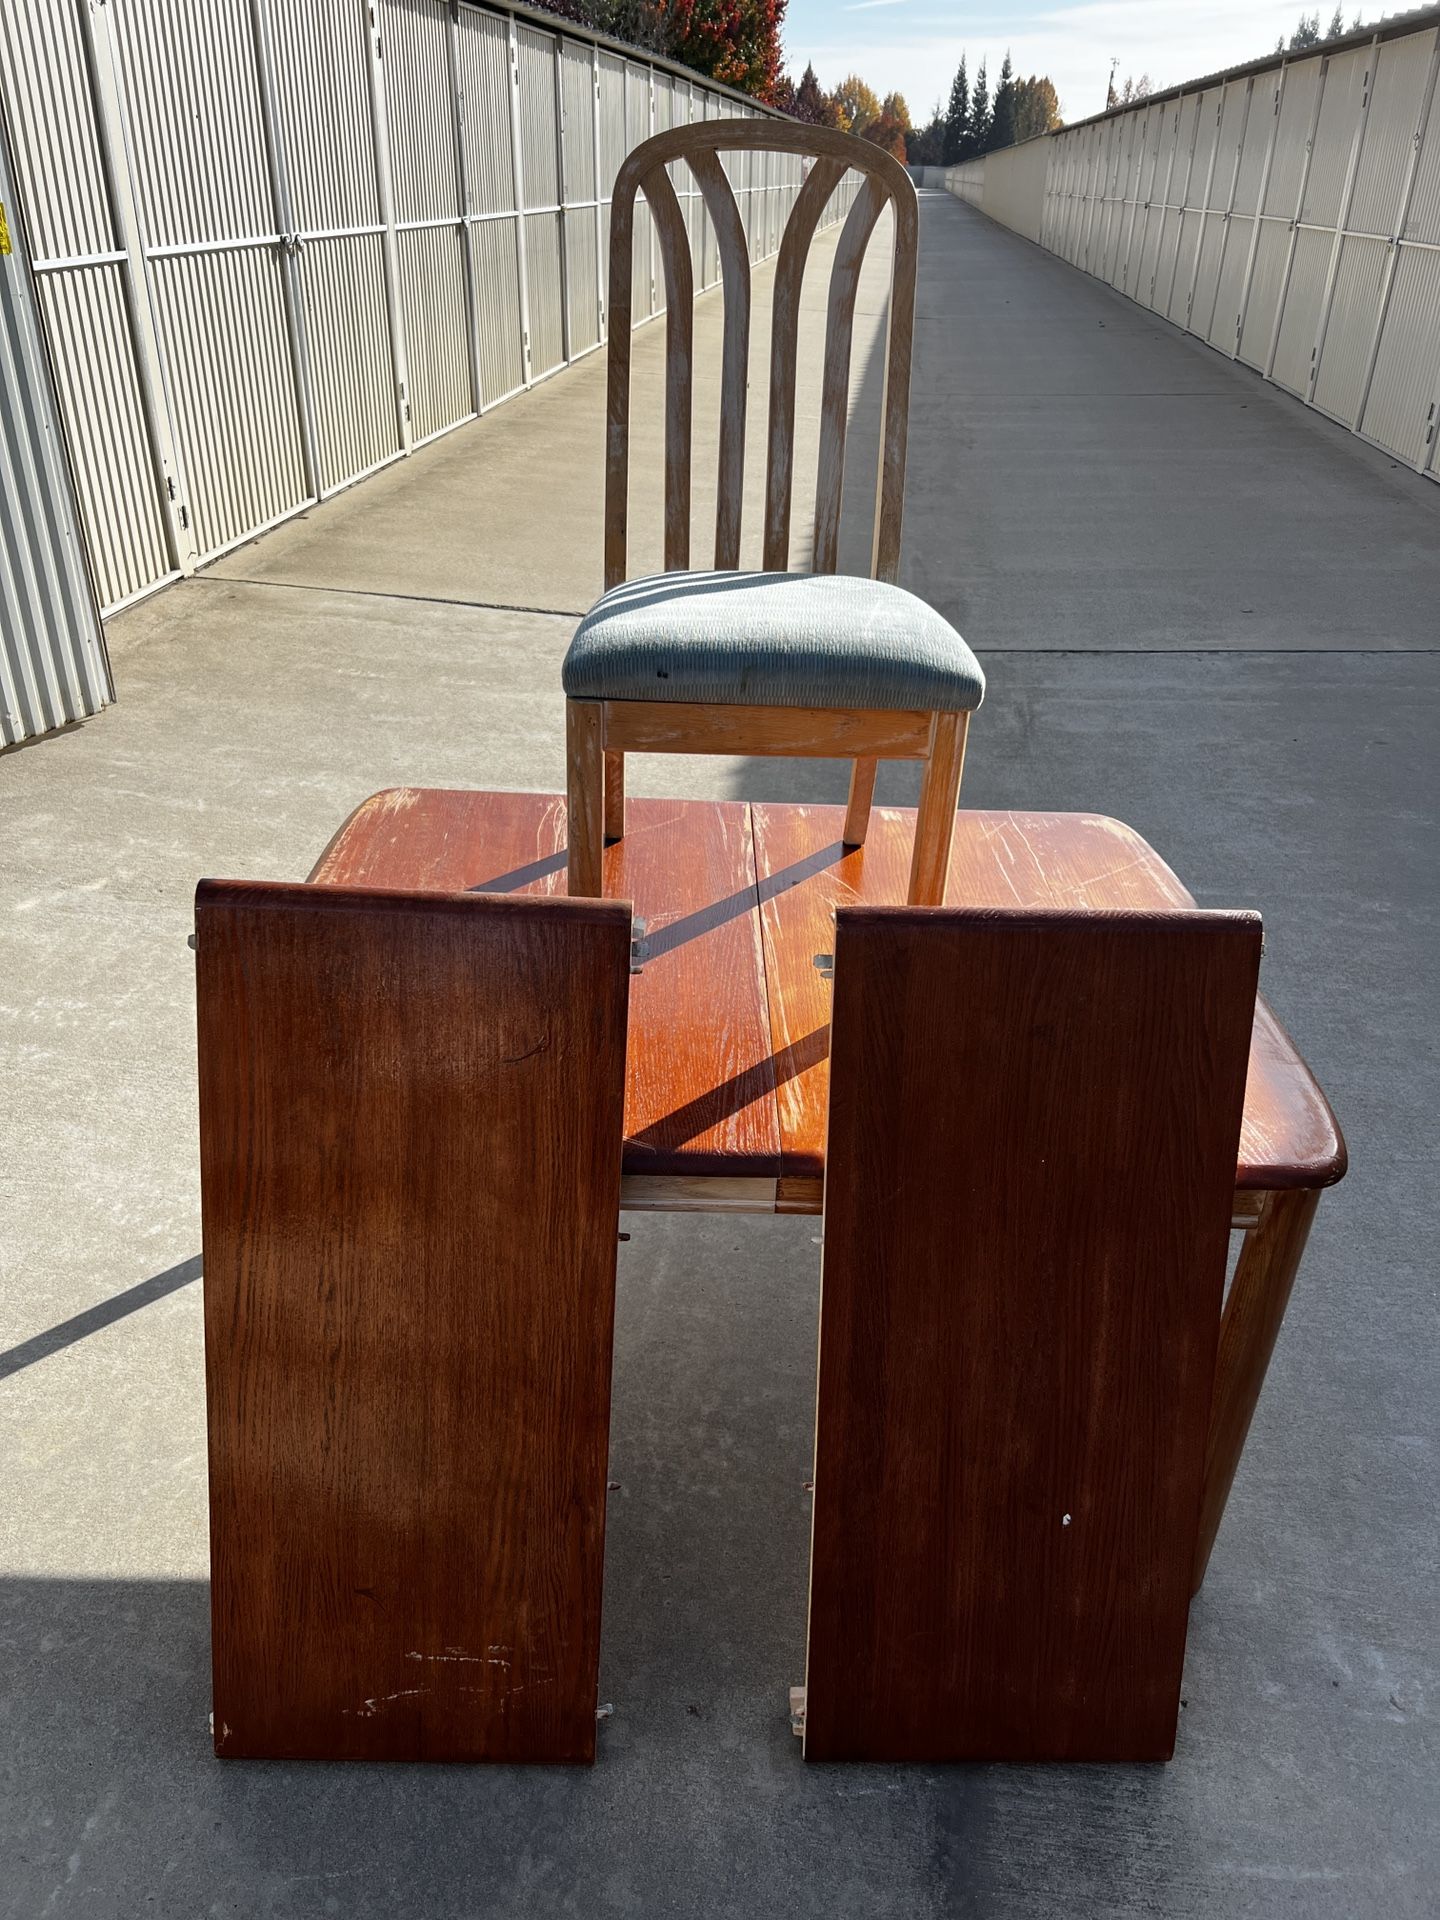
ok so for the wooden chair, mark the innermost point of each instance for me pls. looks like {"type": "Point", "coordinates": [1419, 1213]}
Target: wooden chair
{"type": "Point", "coordinates": [1017, 1350]}
{"type": "Point", "coordinates": [410, 1126]}
{"type": "Point", "coordinates": [769, 662]}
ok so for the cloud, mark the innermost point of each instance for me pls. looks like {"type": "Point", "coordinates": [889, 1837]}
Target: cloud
{"type": "Point", "coordinates": [868, 6]}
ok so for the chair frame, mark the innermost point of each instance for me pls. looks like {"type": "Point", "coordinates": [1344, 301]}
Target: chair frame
{"type": "Point", "coordinates": [599, 733]}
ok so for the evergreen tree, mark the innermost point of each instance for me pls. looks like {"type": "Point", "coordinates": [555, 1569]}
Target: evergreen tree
{"type": "Point", "coordinates": [810, 100]}
{"type": "Point", "coordinates": [1002, 120]}
{"type": "Point", "coordinates": [1306, 34]}
{"type": "Point", "coordinates": [925, 146]}
{"type": "Point", "coordinates": [977, 134]}
{"type": "Point", "coordinates": [1337, 24]}
{"type": "Point", "coordinates": [957, 118]}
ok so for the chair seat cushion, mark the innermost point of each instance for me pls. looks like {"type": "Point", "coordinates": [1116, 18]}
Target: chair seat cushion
{"type": "Point", "coordinates": [771, 640]}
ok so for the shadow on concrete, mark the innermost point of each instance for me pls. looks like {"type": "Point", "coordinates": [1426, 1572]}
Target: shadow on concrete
{"type": "Point", "coordinates": [55, 1339]}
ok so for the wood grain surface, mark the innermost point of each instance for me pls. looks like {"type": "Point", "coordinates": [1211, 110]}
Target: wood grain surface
{"type": "Point", "coordinates": [1020, 1305]}
{"type": "Point", "coordinates": [1289, 1139]}
{"type": "Point", "coordinates": [700, 1091]}
{"type": "Point", "coordinates": [410, 1113]}
{"type": "Point", "coordinates": [505, 842]}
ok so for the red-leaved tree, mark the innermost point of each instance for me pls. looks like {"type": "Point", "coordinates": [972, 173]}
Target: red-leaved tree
{"type": "Point", "coordinates": [734, 41]}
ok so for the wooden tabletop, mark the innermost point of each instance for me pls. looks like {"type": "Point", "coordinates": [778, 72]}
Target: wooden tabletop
{"type": "Point", "coordinates": [728, 1051]}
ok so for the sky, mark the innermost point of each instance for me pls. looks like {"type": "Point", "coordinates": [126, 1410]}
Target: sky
{"type": "Point", "coordinates": [914, 46]}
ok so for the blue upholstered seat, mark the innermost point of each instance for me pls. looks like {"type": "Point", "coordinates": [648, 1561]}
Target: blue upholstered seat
{"type": "Point", "coordinates": [772, 640]}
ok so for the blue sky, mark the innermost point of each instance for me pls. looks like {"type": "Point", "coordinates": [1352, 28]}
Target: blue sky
{"type": "Point", "coordinates": [915, 45]}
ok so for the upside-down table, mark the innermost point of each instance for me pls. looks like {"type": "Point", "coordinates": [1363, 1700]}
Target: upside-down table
{"type": "Point", "coordinates": [727, 1075]}
{"type": "Point", "coordinates": [726, 1086]}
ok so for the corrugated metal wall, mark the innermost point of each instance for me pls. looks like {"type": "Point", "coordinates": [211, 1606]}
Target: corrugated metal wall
{"type": "Point", "coordinates": [278, 246]}
{"type": "Point", "coordinates": [52, 657]}
{"type": "Point", "coordinates": [1290, 217]}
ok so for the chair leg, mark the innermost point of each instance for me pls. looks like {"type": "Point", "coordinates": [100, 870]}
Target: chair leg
{"type": "Point", "coordinates": [585, 796]}
{"type": "Point", "coordinates": [935, 820]}
{"type": "Point", "coordinates": [614, 795]}
{"type": "Point", "coordinates": [1269, 1261]}
{"type": "Point", "coordinates": [862, 792]}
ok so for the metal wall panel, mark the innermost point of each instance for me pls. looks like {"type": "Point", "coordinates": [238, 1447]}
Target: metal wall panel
{"type": "Point", "coordinates": [52, 657]}
{"type": "Point", "coordinates": [1423, 219]}
{"type": "Point", "coordinates": [497, 275]}
{"type": "Point", "coordinates": [614, 144]}
{"type": "Point", "coordinates": [78, 261]}
{"type": "Point", "coordinates": [1335, 135]}
{"type": "Point", "coordinates": [57, 144]}
{"type": "Point", "coordinates": [539, 126]}
{"type": "Point", "coordinates": [577, 86]}
{"type": "Point", "coordinates": [1402, 70]}
{"type": "Point", "coordinates": [419, 110]}
{"type": "Point", "coordinates": [279, 246]}
{"type": "Point", "coordinates": [484, 60]}
{"type": "Point", "coordinates": [1272, 254]}
{"type": "Point", "coordinates": [1224, 331]}
{"type": "Point", "coordinates": [1304, 296]}
{"type": "Point", "coordinates": [581, 280]}
{"type": "Point", "coordinates": [197, 145]}
{"type": "Point", "coordinates": [83, 311]}
{"type": "Point", "coordinates": [432, 282]}
{"type": "Point", "coordinates": [221, 319]}
{"type": "Point", "coordinates": [1346, 353]}
{"type": "Point", "coordinates": [547, 321]}
{"type": "Point", "coordinates": [1401, 410]}
{"type": "Point", "coordinates": [344, 282]}
{"type": "Point", "coordinates": [324, 133]}
{"type": "Point", "coordinates": [1289, 215]}
{"type": "Point", "coordinates": [1298, 100]}
{"type": "Point", "coordinates": [208, 226]}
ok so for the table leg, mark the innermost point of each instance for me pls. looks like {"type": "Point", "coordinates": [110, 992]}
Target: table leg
{"type": "Point", "coordinates": [1249, 1328]}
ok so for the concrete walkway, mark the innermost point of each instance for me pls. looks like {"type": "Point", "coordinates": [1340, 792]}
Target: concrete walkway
{"type": "Point", "coordinates": [1202, 609]}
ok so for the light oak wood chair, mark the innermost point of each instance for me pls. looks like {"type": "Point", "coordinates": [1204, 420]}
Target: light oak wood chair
{"type": "Point", "coordinates": [770, 662]}
{"type": "Point", "coordinates": [1018, 1348]}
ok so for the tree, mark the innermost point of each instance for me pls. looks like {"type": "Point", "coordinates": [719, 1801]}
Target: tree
{"type": "Point", "coordinates": [1002, 118]}
{"type": "Point", "coordinates": [810, 104]}
{"type": "Point", "coordinates": [1132, 93]}
{"type": "Point", "coordinates": [893, 106]}
{"type": "Point", "coordinates": [1337, 24]}
{"type": "Point", "coordinates": [1306, 34]}
{"type": "Point", "coordinates": [925, 146]}
{"type": "Point", "coordinates": [1037, 107]}
{"type": "Point", "coordinates": [854, 104]}
{"type": "Point", "coordinates": [957, 117]}
{"type": "Point", "coordinates": [884, 131]}
{"type": "Point", "coordinates": [978, 133]}
{"type": "Point", "coordinates": [734, 41]}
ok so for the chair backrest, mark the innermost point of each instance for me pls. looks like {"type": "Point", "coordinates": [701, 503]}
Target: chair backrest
{"type": "Point", "coordinates": [1034, 1122]}
{"type": "Point", "coordinates": [832, 155]}
{"type": "Point", "coordinates": [410, 1135]}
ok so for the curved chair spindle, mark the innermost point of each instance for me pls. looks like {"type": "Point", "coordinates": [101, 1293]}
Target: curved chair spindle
{"type": "Point", "coordinates": [674, 240]}
{"type": "Point", "coordinates": [724, 211]}
{"type": "Point", "coordinates": [750, 662]}
{"type": "Point", "coordinates": [810, 203]}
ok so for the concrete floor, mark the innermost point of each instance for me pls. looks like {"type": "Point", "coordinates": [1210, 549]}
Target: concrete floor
{"type": "Point", "coordinates": [1202, 609]}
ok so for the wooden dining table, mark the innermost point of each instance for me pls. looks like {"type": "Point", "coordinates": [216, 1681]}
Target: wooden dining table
{"type": "Point", "coordinates": [727, 1057]}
